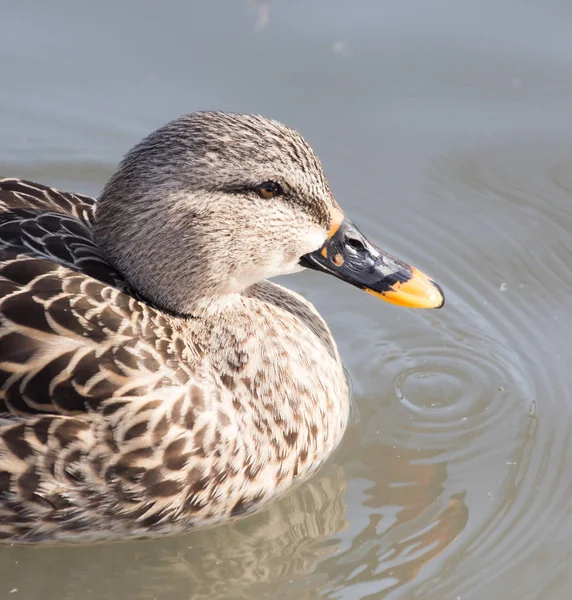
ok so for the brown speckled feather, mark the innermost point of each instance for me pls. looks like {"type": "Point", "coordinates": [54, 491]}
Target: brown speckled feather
{"type": "Point", "coordinates": [119, 418]}
{"type": "Point", "coordinates": [20, 194]}
{"type": "Point", "coordinates": [72, 342]}
{"type": "Point", "coordinates": [64, 308]}
{"type": "Point", "coordinates": [110, 423]}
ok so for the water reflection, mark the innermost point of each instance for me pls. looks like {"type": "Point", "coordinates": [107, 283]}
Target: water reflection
{"type": "Point", "coordinates": [239, 560]}
{"type": "Point", "coordinates": [410, 520]}
{"type": "Point", "coordinates": [263, 17]}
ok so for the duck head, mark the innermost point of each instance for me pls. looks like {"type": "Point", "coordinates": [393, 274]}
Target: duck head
{"type": "Point", "coordinates": [214, 202]}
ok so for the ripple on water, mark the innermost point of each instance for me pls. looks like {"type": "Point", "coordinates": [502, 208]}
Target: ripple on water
{"type": "Point", "coordinates": [523, 205]}
{"type": "Point", "coordinates": [451, 389]}
{"type": "Point", "coordinates": [470, 407]}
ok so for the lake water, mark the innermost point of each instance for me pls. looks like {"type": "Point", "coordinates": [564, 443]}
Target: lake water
{"type": "Point", "coordinates": [445, 129]}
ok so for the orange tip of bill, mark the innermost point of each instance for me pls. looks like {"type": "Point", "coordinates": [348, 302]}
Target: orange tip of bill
{"type": "Point", "coordinates": [417, 292]}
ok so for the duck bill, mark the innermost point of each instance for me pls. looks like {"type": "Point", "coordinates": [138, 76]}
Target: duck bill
{"type": "Point", "coordinates": [349, 256]}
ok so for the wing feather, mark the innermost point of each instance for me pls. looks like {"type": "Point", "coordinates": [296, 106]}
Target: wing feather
{"type": "Point", "coordinates": [19, 193]}
{"type": "Point", "coordinates": [72, 334]}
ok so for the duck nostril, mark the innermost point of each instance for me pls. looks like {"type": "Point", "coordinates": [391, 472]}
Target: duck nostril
{"type": "Point", "coordinates": [355, 243]}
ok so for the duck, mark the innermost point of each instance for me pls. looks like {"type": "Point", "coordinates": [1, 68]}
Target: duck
{"type": "Point", "coordinates": [152, 379]}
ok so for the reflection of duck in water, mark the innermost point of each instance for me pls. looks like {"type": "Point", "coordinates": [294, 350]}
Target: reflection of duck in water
{"type": "Point", "coordinates": [151, 379]}
{"type": "Point", "coordinates": [409, 513]}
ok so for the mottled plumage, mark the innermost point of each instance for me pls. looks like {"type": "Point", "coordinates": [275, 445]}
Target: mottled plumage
{"type": "Point", "coordinates": [150, 379]}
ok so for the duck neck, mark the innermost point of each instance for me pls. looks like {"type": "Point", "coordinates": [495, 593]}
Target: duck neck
{"type": "Point", "coordinates": [275, 355]}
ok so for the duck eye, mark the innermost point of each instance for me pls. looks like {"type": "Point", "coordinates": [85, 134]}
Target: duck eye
{"type": "Point", "coordinates": [268, 189]}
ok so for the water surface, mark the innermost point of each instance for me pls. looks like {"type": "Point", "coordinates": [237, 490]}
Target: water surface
{"type": "Point", "coordinates": [445, 129]}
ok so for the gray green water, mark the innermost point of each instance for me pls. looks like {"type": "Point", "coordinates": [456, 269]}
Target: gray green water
{"type": "Point", "coordinates": [446, 132]}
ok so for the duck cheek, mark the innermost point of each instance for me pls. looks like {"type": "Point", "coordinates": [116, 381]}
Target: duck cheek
{"type": "Point", "coordinates": [253, 271]}
{"type": "Point", "coordinates": [278, 263]}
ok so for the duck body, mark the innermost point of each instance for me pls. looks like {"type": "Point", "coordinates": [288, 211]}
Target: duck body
{"type": "Point", "coordinates": [151, 379]}
{"type": "Point", "coordinates": [120, 420]}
